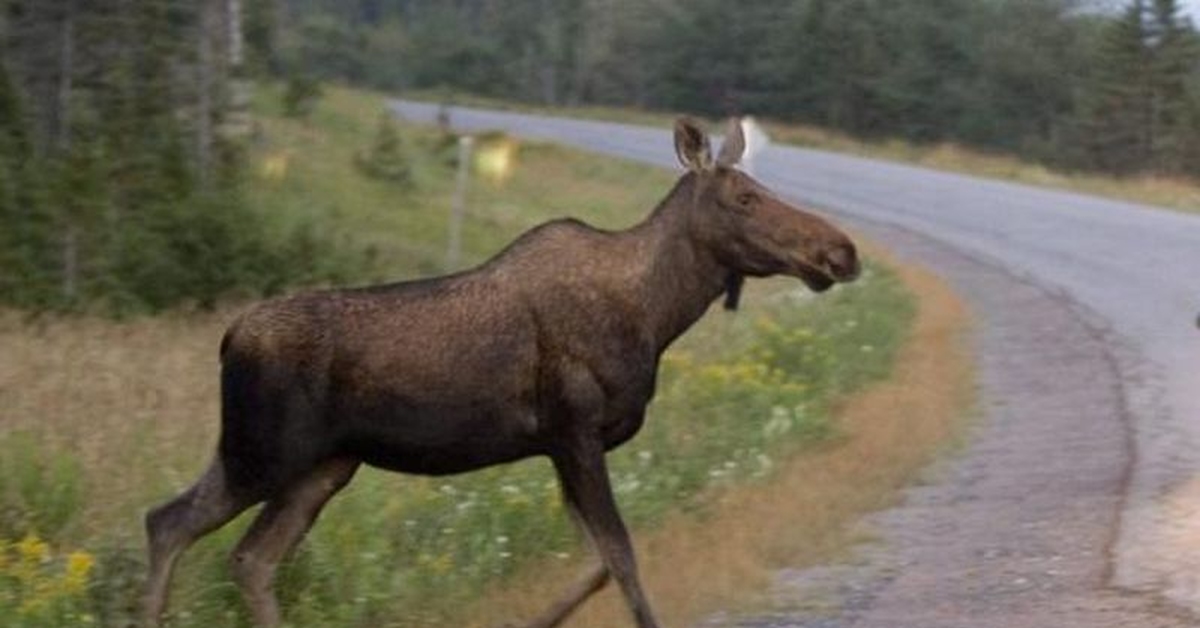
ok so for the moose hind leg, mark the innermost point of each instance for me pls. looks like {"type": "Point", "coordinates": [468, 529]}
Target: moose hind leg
{"type": "Point", "coordinates": [172, 527]}
{"type": "Point", "coordinates": [584, 477]}
{"type": "Point", "coordinates": [589, 583]}
{"type": "Point", "coordinates": [594, 579]}
{"type": "Point", "coordinates": [279, 527]}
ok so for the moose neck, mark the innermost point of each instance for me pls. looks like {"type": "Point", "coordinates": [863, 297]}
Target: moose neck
{"type": "Point", "coordinates": [681, 277]}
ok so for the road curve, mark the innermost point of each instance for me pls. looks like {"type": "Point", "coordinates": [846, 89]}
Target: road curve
{"type": "Point", "coordinates": [1090, 378]}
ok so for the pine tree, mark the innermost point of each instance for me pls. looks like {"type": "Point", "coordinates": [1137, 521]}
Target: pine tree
{"type": "Point", "coordinates": [386, 158]}
{"type": "Point", "coordinates": [26, 241]}
{"type": "Point", "coordinates": [1135, 114]}
{"type": "Point", "coordinates": [1174, 54]}
{"type": "Point", "coordinates": [1114, 126]}
{"type": "Point", "coordinates": [117, 183]}
{"type": "Point", "coordinates": [261, 31]}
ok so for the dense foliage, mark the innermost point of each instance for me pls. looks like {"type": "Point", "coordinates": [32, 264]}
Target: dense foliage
{"type": "Point", "coordinates": [1062, 81]}
{"type": "Point", "coordinates": [120, 164]}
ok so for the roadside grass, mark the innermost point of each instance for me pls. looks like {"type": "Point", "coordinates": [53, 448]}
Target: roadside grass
{"type": "Point", "coordinates": [101, 419]}
{"type": "Point", "coordinates": [304, 170]}
{"type": "Point", "coordinates": [1173, 192]}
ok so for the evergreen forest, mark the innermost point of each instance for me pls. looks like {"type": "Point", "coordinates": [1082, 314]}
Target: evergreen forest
{"type": "Point", "coordinates": [123, 123]}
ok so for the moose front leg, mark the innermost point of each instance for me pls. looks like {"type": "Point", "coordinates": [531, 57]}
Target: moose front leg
{"type": "Point", "coordinates": [584, 477]}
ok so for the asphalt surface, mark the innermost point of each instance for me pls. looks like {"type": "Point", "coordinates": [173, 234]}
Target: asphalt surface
{"type": "Point", "coordinates": [1080, 491]}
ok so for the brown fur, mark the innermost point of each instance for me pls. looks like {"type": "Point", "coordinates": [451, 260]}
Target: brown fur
{"type": "Point", "coordinates": [551, 348]}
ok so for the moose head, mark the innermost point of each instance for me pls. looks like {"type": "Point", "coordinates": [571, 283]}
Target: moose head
{"type": "Point", "coordinates": [750, 230]}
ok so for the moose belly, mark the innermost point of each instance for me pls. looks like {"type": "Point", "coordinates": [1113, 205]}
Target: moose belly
{"type": "Point", "coordinates": [440, 439]}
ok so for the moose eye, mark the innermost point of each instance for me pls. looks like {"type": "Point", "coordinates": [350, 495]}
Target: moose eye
{"type": "Point", "coordinates": [746, 199]}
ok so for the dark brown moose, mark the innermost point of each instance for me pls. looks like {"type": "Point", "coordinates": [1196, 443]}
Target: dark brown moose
{"type": "Point", "coordinates": [548, 349]}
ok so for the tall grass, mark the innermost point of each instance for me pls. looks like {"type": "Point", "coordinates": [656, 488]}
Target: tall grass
{"type": "Point", "coordinates": [101, 419]}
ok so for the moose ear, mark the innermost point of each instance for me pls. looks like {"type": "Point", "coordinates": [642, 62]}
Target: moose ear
{"type": "Point", "coordinates": [691, 145]}
{"type": "Point", "coordinates": [734, 145]}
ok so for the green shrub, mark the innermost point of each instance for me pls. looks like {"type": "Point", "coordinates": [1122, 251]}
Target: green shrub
{"type": "Point", "coordinates": [386, 159]}
{"type": "Point", "coordinates": [849, 337]}
{"type": "Point", "coordinates": [300, 95]}
{"type": "Point", "coordinates": [145, 234]}
{"type": "Point", "coordinates": [116, 584]}
{"type": "Point", "coordinates": [213, 246]}
{"type": "Point", "coordinates": [41, 490]}
{"type": "Point", "coordinates": [41, 588]}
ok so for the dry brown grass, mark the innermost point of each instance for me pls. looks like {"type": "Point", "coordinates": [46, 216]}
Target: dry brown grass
{"type": "Point", "coordinates": [108, 393]}
{"type": "Point", "coordinates": [694, 565]}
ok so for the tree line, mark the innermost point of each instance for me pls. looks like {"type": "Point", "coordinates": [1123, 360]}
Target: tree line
{"type": "Point", "coordinates": [122, 122]}
{"type": "Point", "coordinates": [121, 159]}
{"type": "Point", "coordinates": [1065, 82]}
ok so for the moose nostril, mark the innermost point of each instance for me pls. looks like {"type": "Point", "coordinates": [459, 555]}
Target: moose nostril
{"type": "Point", "coordinates": [843, 262]}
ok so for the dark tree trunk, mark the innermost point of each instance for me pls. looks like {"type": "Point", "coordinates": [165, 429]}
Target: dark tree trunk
{"type": "Point", "coordinates": [60, 127]}
{"type": "Point", "coordinates": [205, 80]}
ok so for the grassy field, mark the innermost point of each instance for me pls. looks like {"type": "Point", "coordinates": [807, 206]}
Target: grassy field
{"type": "Point", "coordinates": [1174, 192]}
{"type": "Point", "coordinates": [305, 172]}
{"type": "Point", "coordinates": [101, 419]}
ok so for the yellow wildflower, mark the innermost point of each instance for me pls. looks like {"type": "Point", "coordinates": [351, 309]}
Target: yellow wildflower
{"type": "Point", "coordinates": [79, 567]}
{"type": "Point", "coordinates": [33, 604]}
{"type": "Point", "coordinates": [33, 551]}
{"type": "Point", "coordinates": [275, 167]}
{"type": "Point", "coordinates": [443, 563]}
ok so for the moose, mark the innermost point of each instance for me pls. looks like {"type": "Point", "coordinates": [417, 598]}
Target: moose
{"type": "Point", "coordinates": [551, 348]}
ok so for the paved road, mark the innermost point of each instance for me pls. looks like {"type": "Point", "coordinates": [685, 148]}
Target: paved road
{"type": "Point", "coordinates": [1090, 361]}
